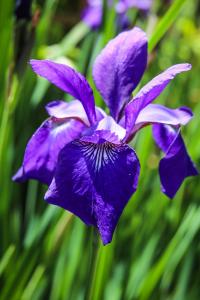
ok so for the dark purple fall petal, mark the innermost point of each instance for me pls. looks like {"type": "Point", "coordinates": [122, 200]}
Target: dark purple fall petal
{"type": "Point", "coordinates": [94, 180]}
{"type": "Point", "coordinates": [68, 80]}
{"type": "Point", "coordinates": [119, 67]}
{"type": "Point", "coordinates": [149, 93]}
{"type": "Point", "coordinates": [176, 165]}
{"type": "Point", "coordinates": [44, 146]}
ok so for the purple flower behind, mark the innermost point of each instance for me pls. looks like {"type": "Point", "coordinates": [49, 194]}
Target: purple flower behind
{"type": "Point", "coordinates": [82, 153]}
{"type": "Point", "coordinates": [92, 14]}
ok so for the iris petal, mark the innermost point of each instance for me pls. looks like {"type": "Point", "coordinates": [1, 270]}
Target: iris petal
{"type": "Point", "coordinates": [73, 109]}
{"type": "Point", "coordinates": [150, 92]}
{"type": "Point", "coordinates": [156, 113]}
{"type": "Point", "coordinates": [176, 165]}
{"type": "Point", "coordinates": [68, 80]}
{"type": "Point", "coordinates": [159, 114]}
{"type": "Point", "coordinates": [119, 67]}
{"type": "Point", "coordinates": [62, 110]}
{"type": "Point", "coordinates": [44, 146]}
{"type": "Point", "coordinates": [94, 180]}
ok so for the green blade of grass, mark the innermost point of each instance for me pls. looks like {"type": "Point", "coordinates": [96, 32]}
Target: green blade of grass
{"type": "Point", "coordinates": [166, 21]}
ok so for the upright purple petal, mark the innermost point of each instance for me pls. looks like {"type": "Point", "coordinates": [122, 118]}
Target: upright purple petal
{"type": "Point", "coordinates": [176, 165]}
{"type": "Point", "coordinates": [119, 68]}
{"type": "Point", "coordinates": [94, 180]}
{"type": "Point", "coordinates": [44, 146]}
{"type": "Point", "coordinates": [68, 80]}
{"type": "Point", "coordinates": [150, 92]}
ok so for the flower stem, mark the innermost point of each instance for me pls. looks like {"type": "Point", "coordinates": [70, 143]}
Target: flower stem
{"type": "Point", "coordinates": [94, 249]}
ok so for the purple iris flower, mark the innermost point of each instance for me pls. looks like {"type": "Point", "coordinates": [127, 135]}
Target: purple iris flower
{"type": "Point", "coordinates": [82, 153]}
{"type": "Point", "coordinates": [92, 14]}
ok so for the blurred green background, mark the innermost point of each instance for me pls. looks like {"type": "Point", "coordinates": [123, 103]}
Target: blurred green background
{"type": "Point", "coordinates": [45, 252]}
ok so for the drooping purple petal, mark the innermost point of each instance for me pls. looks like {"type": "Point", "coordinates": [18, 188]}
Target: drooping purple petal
{"type": "Point", "coordinates": [68, 80]}
{"type": "Point", "coordinates": [176, 165]}
{"type": "Point", "coordinates": [44, 146]}
{"type": "Point", "coordinates": [119, 67]}
{"type": "Point", "coordinates": [150, 92]}
{"type": "Point", "coordinates": [94, 180]}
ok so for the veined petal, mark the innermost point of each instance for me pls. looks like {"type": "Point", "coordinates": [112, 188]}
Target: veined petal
{"type": "Point", "coordinates": [73, 109]}
{"type": "Point", "coordinates": [94, 180]}
{"type": "Point", "coordinates": [156, 113]}
{"type": "Point", "coordinates": [68, 80]}
{"type": "Point", "coordinates": [62, 110]}
{"type": "Point", "coordinates": [150, 92]}
{"type": "Point", "coordinates": [176, 165]}
{"type": "Point", "coordinates": [159, 114]}
{"type": "Point", "coordinates": [119, 67]}
{"type": "Point", "coordinates": [44, 146]}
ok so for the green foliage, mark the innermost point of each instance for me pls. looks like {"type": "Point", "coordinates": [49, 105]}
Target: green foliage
{"type": "Point", "coordinates": [45, 252]}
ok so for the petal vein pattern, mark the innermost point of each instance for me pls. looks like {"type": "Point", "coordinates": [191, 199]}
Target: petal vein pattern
{"type": "Point", "coordinates": [99, 181]}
